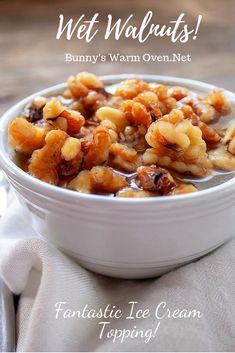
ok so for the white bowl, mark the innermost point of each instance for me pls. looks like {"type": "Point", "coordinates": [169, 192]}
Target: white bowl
{"type": "Point", "coordinates": [121, 237]}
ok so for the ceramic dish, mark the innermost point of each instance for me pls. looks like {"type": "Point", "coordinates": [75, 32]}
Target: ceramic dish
{"type": "Point", "coordinates": [124, 237]}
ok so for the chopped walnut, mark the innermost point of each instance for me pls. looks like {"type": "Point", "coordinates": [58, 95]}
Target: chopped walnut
{"type": "Point", "coordinates": [161, 91]}
{"type": "Point", "coordinates": [67, 94]}
{"type": "Point", "coordinates": [74, 119]}
{"type": "Point", "coordinates": [178, 92]}
{"type": "Point", "coordinates": [25, 137]}
{"type": "Point", "coordinates": [205, 111]}
{"type": "Point", "coordinates": [134, 137]}
{"type": "Point", "coordinates": [63, 118]}
{"type": "Point", "coordinates": [34, 111]}
{"type": "Point", "coordinates": [98, 179]}
{"type": "Point", "coordinates": [148, 99]}
{"type": "Point", "coordinates": [105, 180]}
{"type": "Point", "coordinates": [97, 152]}
{"type": "Point", "coordinates": [111, 130]}
{"type": "Point", "coordinates": [92, 82]}
{"type": "Point", "coordinates": [72, 156]}
{"type": "Point", "coordinates": [183, 189]}
{"type": "Point", "coordinates": [129, 192]}
{"type": "Point", "coordinates": [123, 157]}
{"type": "Point", "coordinates": [71, 148]}
{"type": "Point", "coordinates": [95, 100]}
{"type": "Point", "coordinates": [39, 102]}
{"type": "Point", "coordinates": [82, 182]}
{"type": "Point", "coordinates": [60, 123]}
{"type": "Point", "coordinates": [131, 88]}
{"type": "Point", "coordinates": [210, 107]}
{"type": "Point", "coordinates": [45, 161]}
{"type": "Point", "coordinates": [76, 88]}
{"type": "Point", "coordinates": [183, 146]}
{"type": "Point", "coordinates": [151, 102]}
{"type": "Point", "coordinates": [136, 113]}
{"type": "Point", "coordinates": [52, 110]}
{"type": "Point", "coordinates": [168, 158]}
{"type": "Point", "coordinates": [222, 159]}
{"type": "Point", "coordinates": [80, 84]}
{"type": "Point", "coordinates": [218, 100]}
{"type": "Point", "coordinates": [154, 178]}
{"type": "Point", "coordinates": [115, 116]}
{"type": "Point", "coordinates": [166, 102]}
{"type": "Point", "coordinates": [209, 135]}
{"type": "Point", "coordinates": [229, 137]}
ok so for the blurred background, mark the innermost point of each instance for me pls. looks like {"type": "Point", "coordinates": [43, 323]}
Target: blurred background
{"type": "Point", "coordinates": [32, 59]}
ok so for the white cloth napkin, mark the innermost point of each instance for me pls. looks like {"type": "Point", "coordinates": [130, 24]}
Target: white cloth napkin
{"type": "Point", "coordinates": [44, 276]}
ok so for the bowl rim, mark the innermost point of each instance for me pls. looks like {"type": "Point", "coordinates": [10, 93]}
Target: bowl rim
{"type": "Point", "coordinates": [41, 187]}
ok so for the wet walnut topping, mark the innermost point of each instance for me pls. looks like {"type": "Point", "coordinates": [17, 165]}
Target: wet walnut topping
{"type": "Point", "coordinates": [157, 179]}
{"type": "Point", "coordinates": [25, 137]}
{"type": "Point", "coordinates": [143, 140]}
{"type": "Point", "coordinates": [98, 179]}
{"type": "Point", "coordinates": [222, 159]}
{"type": "Point", "coordinates": [177, 144]}
{"type": "Point", "coordinates": [229, 137]}
{"type": "Point", "coordinates": [123, 157]}
{"type": "Point", "coordinates": [44, 162]}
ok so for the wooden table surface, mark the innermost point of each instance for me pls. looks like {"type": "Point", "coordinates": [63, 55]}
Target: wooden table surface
{"type": "Point", "coordinates": [32, 59]}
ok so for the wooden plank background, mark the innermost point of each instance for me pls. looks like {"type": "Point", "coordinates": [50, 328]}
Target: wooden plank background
{"type": "Point", "coordinates": [32, 59]}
